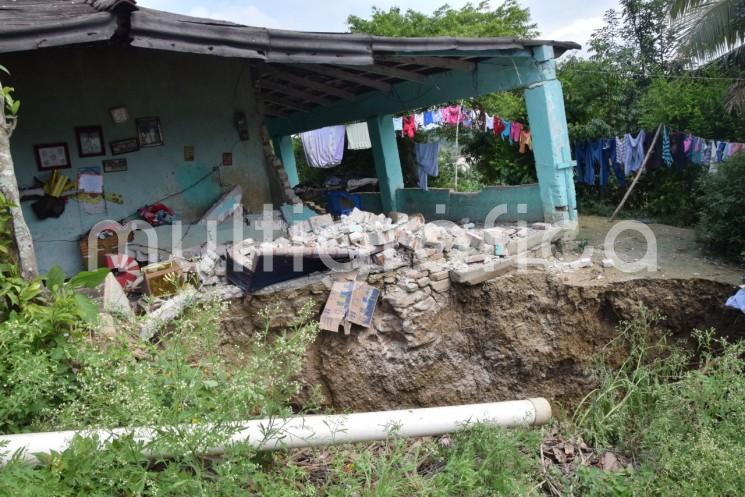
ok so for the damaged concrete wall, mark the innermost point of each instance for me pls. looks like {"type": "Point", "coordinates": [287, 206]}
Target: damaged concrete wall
{"type": "Point", "coordinates": [195, 98]}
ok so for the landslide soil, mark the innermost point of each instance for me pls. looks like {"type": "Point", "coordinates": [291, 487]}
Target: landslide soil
{"type": "Point", "coordinates": [517, 336]}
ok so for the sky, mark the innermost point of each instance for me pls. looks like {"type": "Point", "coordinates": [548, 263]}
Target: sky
{"type": "Point", "coordinates": [564, 20]}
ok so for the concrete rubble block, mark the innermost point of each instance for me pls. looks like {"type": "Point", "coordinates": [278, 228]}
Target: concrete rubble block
{"type": "Point", "coordinates": [530, 242]}
{"type": "Point", "coordinates": [398, 217]}
{"type": "Point", "coordinates": [317, 223]}
{"type": "Point", "coordinates": [606, 263]}
{"type": "Point", "coordinates": [426, 304]}
{"type": "Point", "coordinates": [431, 234]}
{"type": "Point", "coordinates": [414, 274]}
{"type": "Point", "coordinates": [475, 239]}
{"type": "Point", "coordinates": [475, 258]}
{"type": "Point", "coordinates": [382, 237]}
{"type": "Point", "coordinates": [427, 254]}
{"type": "Point", "coordinates": [408, 240]}
{"type": "Point", "coordinates": [581, 263]}
{"type": "Point", "coordinates": [409, 285]}
{"type": "Point", "coordinates": [440, 286]}
{"type": "Point", "coordinates": [415, 223]}
{"type": "Point", "coordinates": [359, 239]}
{"type": "Point", "coordinates": [422, 282]}
{"type": "Point", "coordinates": [300, 228]}
{"type": "Point", "coordinates": [541, 226]}
{"type": "Point", "coordinates": [478, 273]}
{"type": "Point", "coordinates": [402, 299]}
{"type": "Point", "coordinates": [493, 236]}
{"type": "Point", "coordinates": [439, 275]}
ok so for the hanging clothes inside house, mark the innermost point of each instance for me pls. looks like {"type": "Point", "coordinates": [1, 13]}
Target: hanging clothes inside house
{"type": "Point", "coordinates": [358, 136]}
{"type": "Point", "coordinates": [398, 124]}
{"type": "Point", "coordinates": [324, 147]}
{"type": "Point", "coordinates": [526, 142]}
{"type": "Point", "coordinates": [633, 148]}
{"type": "Point", "coordinates": [427, 158]}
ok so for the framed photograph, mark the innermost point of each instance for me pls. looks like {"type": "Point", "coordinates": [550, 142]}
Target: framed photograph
{"type": "Point", "coordinates": [125, 146]}
{"type": "Point", "coordinates": [227, 158]}
{"type": "Point", "coordinates": [114, 165]}
{"type": "Point", "coordinates": [52, 156]}
{"type": "Point", "coordinates": [149, 133]}
{"type": "Point", "coordinates": [90, 141]}
{"type": "Point", "coordinates": [119, 114]}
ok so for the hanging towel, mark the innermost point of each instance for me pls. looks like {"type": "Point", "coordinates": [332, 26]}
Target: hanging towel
{"type": "Point", "coordinates": [358, 136]}
{"type": "Point", "coordinates": [427, 158]}
{"type": "Point", "coordinates": [409, 126]}
{"type": "Point", "coordinates": [633, 152]}
{"type": "Point", "coordinates": [324, 147]}
{"type": "Point", "coordinates": [398, 124]}
{"type": "Point", "coordinates": [667, 156]}
{"type": "Point", "coordinates": [525, 141]}
{"type": "Point", "coordinates": [515, 131]}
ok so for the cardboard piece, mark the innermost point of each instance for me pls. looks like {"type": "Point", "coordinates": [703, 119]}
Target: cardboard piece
{"type": "Point", "coordinates": [349, 302]}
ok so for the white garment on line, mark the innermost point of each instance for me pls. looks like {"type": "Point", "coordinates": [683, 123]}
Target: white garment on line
{"type": "Point", "coordinates": [398, 124]}
{"type": "Point", "coordinates": [358, 136]}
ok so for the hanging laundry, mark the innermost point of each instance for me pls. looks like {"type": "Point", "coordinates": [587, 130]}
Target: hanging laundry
{"type": "Point", "coordinates": [667, 156]}
{"type": "Point", "coordinates": [324, 147]}
{"type": "Point", "coordinates": [409, 126]}
{"type": "Point", "coordinates": [677, 147]}
{"type": "Point", "coordinates": [526, 142]}
{"type": "Point", "coordinates": [398, 124]}
{"type": "Point", "coordinates": [515, 131]}
{"type": "Point", "coordinates": [468, 118]}
{"type": "Point", "coordinates": [633, 152]}
{"type": "Point", "coordinates": [451, 115]}
{"type": "Point", "coordinates": [610, 156]}
{"type": "Point", "coordinates": [620, 150]}
{"type": "Point", "coordinates": [358, 136]}
{"type": "Point", "coordinates": [720, 151]}
{"type": "Point", "coordinates": [506, 130]}
{"type": "Point", "coordinates": [488, 122]}
{"type": "Point", "coordinates": [585, 172]}
{"type": "Point", "coordinates": [428, 119]}
{"type": "Point", "coordinates": [498, 125]}
{"type": "Point", "coordinates": [419, 119]}
{"type": "Point", "coordinates": [427, 158]}
{"type": "Point", "coordinates": [687, 143]}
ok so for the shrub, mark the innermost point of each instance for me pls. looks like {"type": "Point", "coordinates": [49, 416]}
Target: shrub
{"type": "Point", "coordinates": [722, 208]}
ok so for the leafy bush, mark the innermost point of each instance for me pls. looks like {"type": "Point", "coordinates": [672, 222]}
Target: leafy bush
{"type": "Point", "coordinates": [722, 208]}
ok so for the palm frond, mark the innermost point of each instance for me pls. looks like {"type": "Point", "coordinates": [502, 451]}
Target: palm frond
{"type": "Point", "coordinates": [735, 99]}
{"type": "Point", "coordinates": [711, 27]}
{"type": "Point", "coordinates": [681, 7]}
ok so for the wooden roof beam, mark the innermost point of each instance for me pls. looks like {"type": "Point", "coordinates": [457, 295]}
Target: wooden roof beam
{"type": "Point", "coordinates": [439, 62]}
{"type": "Point", "coordinates": [338, 73]}
{"type": "Point", "coordinates": [275, 100]}
{"type": "Point", "coordinates": [307, 82]}
{"type": "Point", "coordinates": [393, 72]}
{"type": "Point", "coordinates": [294, 92]}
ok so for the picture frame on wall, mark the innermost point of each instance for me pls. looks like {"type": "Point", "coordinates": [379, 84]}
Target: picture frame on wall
{"type": "Point", "coordinates": [114, 165]}
{"type": "Point", "coordinates": [90, 141]}
{"type": "Point", "coordinates": [149, 132]}
{"type": "Point", "coordinates": [124, 146]}
{"type": "Point", "coordinates": [51, 156]}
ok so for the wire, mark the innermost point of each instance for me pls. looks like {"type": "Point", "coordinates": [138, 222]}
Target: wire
{"type": "Point", "coordinates": [631, 76]}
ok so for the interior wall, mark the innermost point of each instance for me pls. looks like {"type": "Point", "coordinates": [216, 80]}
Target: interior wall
{"type": "Point", "coordinates": [195, 98]}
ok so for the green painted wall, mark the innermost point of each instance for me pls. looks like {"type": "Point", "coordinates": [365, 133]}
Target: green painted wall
{"type": "Point", "coordinates": [194, 96]}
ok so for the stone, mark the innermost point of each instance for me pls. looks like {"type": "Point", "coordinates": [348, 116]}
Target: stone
{"type": "Point", "coordinates": [440, 286]}
{"type": "Point", "coordinates": [431, 234]}
{"type": "Point", "coordinates": [425, 305]}
{"type": "Point", "coordinates": [541, 226]}
{"type": "Point", "coordinates": [581, 263]}
{"type": "Point", "coordinates": [410, 286]}
{"type": "Point", "coordinates": [422, 282]}
{"type": "Point", "coordinates": [359, 239]}
{"type": "Point", "coordinates": [382, 237]}
{"type": "Point", "coordinates": [606, 263]}
{"type": "Point", "coordinates": [402, 299]}
{"type": "Point", "coordinates": [317, 223]}
{"type": "Point", "coordinates": [408, 240]}
{"type": "Point", "coordinates": [398, 217]}
{"type": "Point", "coordinates": [475, 258]}
{"type": "Point", "coordinates": [493, 236]}
{"type": "Point", "coordinates": [440, 275]}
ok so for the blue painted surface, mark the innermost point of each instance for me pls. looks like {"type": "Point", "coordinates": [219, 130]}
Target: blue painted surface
{"type": "Point", "coordinates": [387, 162]}
{"type": "Point", "coordinates": [504, 203]}
{"type": "Point", "coordinates": [285, 151]}
{"type": "Point", "coordinates": [195, 98]}
{"type": "Point", "coordinates": [548, 126]}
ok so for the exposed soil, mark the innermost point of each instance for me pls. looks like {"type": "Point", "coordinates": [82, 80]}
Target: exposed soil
{"type": "Point", "coordinates": [517, 336]}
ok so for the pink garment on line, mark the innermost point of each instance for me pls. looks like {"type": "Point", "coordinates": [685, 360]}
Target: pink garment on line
{"type": "Point", "coordinates": [687, 143]}
{"type": "Point", "coordinates": [452, 115]}
{"type": "Point", "coordinates": [515, 131]}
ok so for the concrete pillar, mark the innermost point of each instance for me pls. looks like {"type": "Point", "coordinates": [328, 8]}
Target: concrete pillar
{"type": "Point", "coordinates": [548, 126]}
{"type": "Point", "coordinates": [387, 162]}
{"type": "Point", "coordinates": [285, 151]}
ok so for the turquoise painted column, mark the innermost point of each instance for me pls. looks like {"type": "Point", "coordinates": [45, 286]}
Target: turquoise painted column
{"type": "Point", "coordinates": [387, 162]}
{"type": "Point", "coordinates": [284, 149]}
{"type": "Point", "coordinates": [548, 127]}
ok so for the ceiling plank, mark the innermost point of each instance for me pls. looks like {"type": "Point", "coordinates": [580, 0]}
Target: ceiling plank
{"type": "Point", "coordinates": [271, 111]}
{"type": "Point", "coordinates": [299, 80]}
{"type": "Point", "coordinates": [393, 72]}
{"type": "Point", "coordinates": [338, 73]}
{"type": "Point", "coordinates": [440, 62]}
{"type": "Point", "coordinates": [294, 92]}
{"type": "Point", "coordinates": [286, 103]}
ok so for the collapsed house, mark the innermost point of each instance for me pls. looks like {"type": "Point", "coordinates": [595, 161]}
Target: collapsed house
{"type": "Point", "coordinates": [186, 123]}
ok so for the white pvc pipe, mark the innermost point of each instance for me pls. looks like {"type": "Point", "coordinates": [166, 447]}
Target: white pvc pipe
{"type": "Point", "coordinates": [308, 431]}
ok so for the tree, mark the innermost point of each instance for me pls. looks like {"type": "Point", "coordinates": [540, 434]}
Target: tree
{"type": "Point", "coordinates": [9, 186]}
{"type": "Point", "coordinates": [509, 19]}
{"type": "Point", "coordinates": [710, 29]}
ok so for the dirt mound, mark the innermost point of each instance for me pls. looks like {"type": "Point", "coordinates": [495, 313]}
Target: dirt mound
{"type": "Point", "coordinates": [518, 336]}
